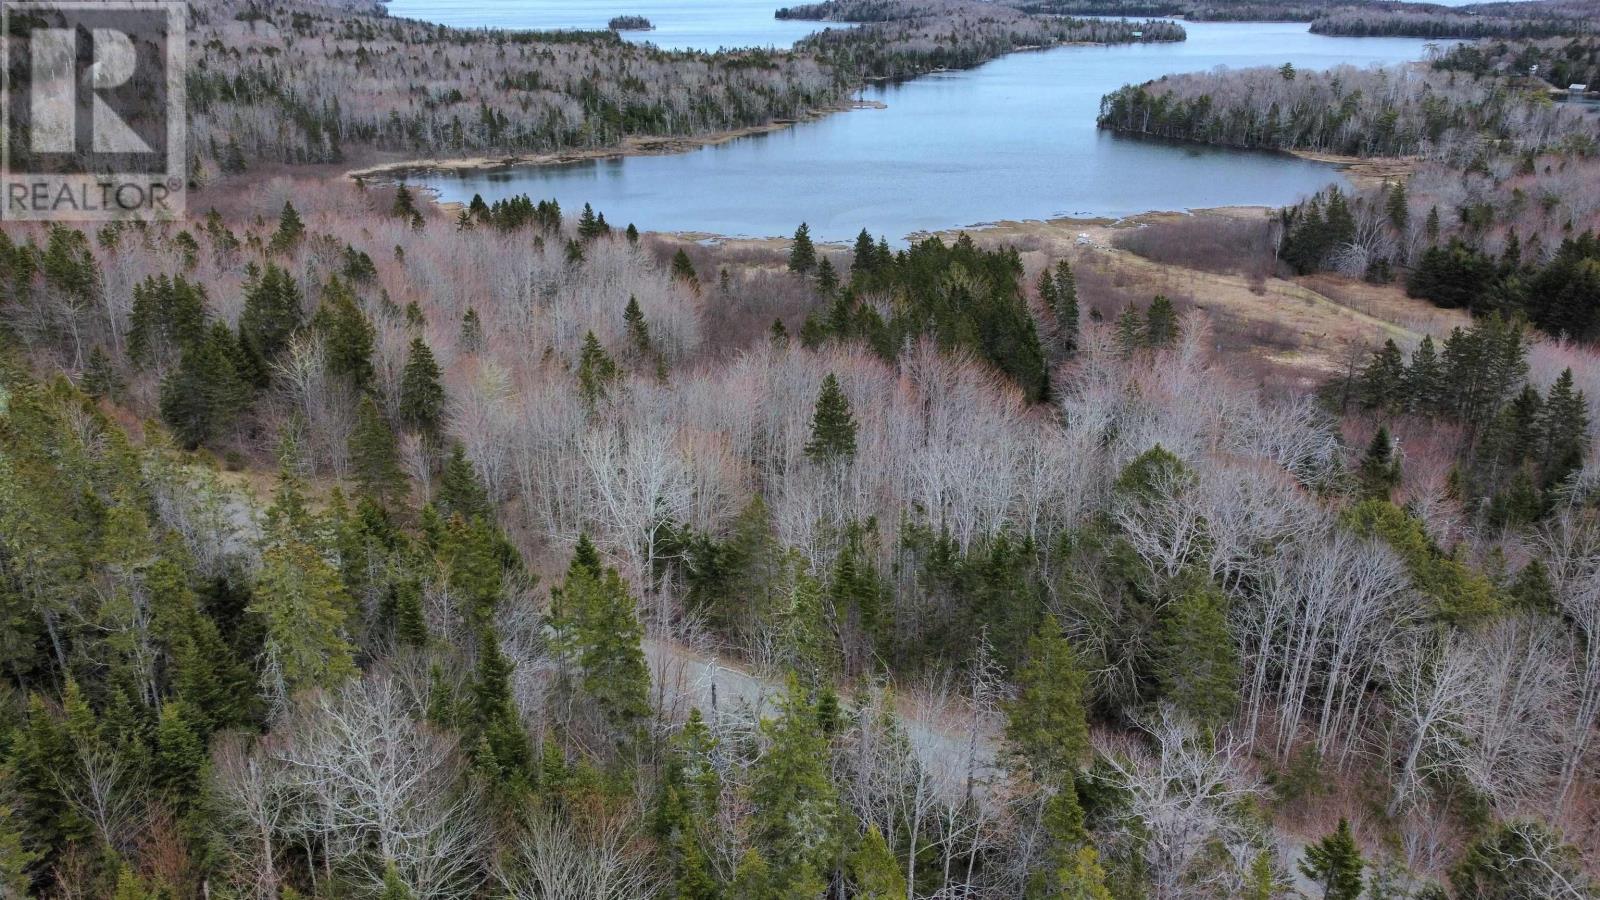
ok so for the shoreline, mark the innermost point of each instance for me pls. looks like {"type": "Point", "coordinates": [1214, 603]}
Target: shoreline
{"type": "Point", "coordinates": [1365, 171]}
{"type": "Point", "coordinates": [633, 145]}
{"type": "Point", "coordinates": [1095, 225]}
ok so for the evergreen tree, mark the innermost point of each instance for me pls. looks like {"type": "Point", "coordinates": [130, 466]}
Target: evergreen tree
{"type": "Point", "coordinates": [1335, 863]}
{"type": "Point", "coordinates": [1424, 380]}
{"type": "Point", "coordinates": [1383, 381]}
{"type": "Point", "coordinates": [833, 426]}
{"type": "Point", "coordinates": [794, 820]}
{"type": "Point", "coordinates": [1046, 726]}
{"type": "Point", "coordinates": [683, 269]}
{"type": "Point", "coordinates": [461, 492]}
{"type": "Point", "coordinates": [1519, 860]}
{"type": "Point", "coordinates": [1047, 289]}
{"type": "Point", "coordinates": [827, 278]}
{"type": "Point", "coordinates": [474, 557]}
{"type": "Point", "coordinates": [597, 630]}
{"type": "Point", "coordinates": [168, 317]}
{"type": "Point", "coordinates": [421, 395]}
{"type": "Point", "coordinates": [1066, 308]}
{"type": "Point", "coordinates": [348, 336]}
{"type": "Point", "coordinates": [802, 254]}
{"type": "Point", "coordinates": [1197, 665]}
{"type": "Point", "coordinates": [471, 332]}
{"type": "Point", "coordinates": [374, 459]}
{"type": "Point", "coordinates": [1380, 468]}
{"type": "Point", "coordinates": [290, 230]}
{"type": "Point", "coordinates": [1564, 428]}
{"type": "Point", "coordinates": [752, 880]}
{"type": "Point", "coordinates": [15, 859]}
{"type": "Point", "coordinates": [1262, 882]}
{"type": "Point", "coordinates": [100, 379]}
{"type": "Point", "coordinates": [180, 754]}
{"type": "Point", "coordinates": [1130, 331]}
{"type": "Point", "coordinates": [596, 371]}
{"type": "Point", "coordinates": [1161, 324]}
{"type": "Point", "coordinates": [638, 330]}
{"type": "Point", "coordinates": [502, 751]}
{"type": "Point", "coordinates": [632, 235]}
{"type": "Point", "coordinates": [1399, 207]}
{"type": "Point", "coordinates": [588, 225]}
{"type": "Point", "coordinates": [205, 394]}
{"type": "Point", "coordinates": [301, 601]}
{"type": "Point", "coordinates": [778, 334]}
{"type": "Point", "coordinates": [1081, 877]}
{"type": "Point", "coordinates": [272, 311]}
{"type": "Point", "coordinates": [410, 624]}
{"type": "Point", "coordinates": [874, 869]}
{"type": "Point", "coordinates": [865, 259]}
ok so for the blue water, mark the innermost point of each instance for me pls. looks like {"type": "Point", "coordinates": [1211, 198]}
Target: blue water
{"type": "Point", "coordinates": [679, 24]}
{"type": "Point", "coordinates": [1013, 139]}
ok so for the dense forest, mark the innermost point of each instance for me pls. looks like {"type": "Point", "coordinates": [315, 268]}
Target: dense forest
{"type": "Point", "coordinates": [304, 82]}
{"type": "Point", "coordinates": [1394, 111]}
{"type": "Point", "coordinates": [356, 549]}
{"type": "Point", "coordinates": [903, 38]}
{"type": "Point", "coordinates": [1558, 63]}
{"type": "Point", "coordinates": [352, 546]}
{"type": "Point", "coordinates": [1357, 18]}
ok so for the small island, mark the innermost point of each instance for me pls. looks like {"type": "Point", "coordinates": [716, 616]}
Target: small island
{"type": "Point", "coordinates": [630, 23]}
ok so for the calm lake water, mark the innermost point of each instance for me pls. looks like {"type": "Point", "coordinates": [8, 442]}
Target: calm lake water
{"type": "Point", "coordinates": [679, 24]}
{"type": "Point", "coordinates": [1013, 139]}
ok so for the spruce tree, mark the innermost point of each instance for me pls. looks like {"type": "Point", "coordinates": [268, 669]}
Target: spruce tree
{"type": "Point", "coordinates": [596, 371]}
{"type": "Point", "coordinates": [827, 278]}
{"type": "Point", "coordinates": [752, 880]}
{"type": "Point", "coordinates": [302, 603]}
{"type": "Point", "coordinates": [1197, 665]}
{"type": "Point", "coordinates": [875, 871]}
{"type": "Point", "coordinates": [100, 379]}
{"type": "Point", "coordinates": [503, 750]}
{"type": "Point", "coordinates": [1335, 863]}
{"type": "Point", "coordinates": [597, 631]}
{"type": "Point", "coordinates": [1424, 380]}
{"type": "Point", "coordinates": [683, 269]}
{"type": "Point", "coordinates": [794, 820]}
{"type": "Point", "coordinates": [461, 492]}
{"type": "Point", "coordinates": [1046, 726]}
{"type": "Point", "coordinates": [1066, 308]}
{"type": "Point", "coordinates": [273, 309]}
{"type": "Point", "coordinates": [833, 426]}
{"type": "Point", "coordinates": [1130, 331]}
{"type": "Point", "coordinates": [638, 330]}
{"type": "Point", "coordinates": [1380, 467]}
{"type": "Point", "coordinates": [1399, 207]}
{"type": "Point", "coordinates": [421, 395]}
{"type": "Point", "coordinates": [1564, 428]}
{"type": "Point", "coordinates": [347, 334]}
{"type": "Point", "coordinates": [865, 258]}
{"type": "Point", "coordinates": [168, 317]}
{"type": "Point", "coordinates": [802, 253]}
{"type": "Point", "coordinates": [374, 458]}
{"type": "Point", "coordinates": [1161, 324]}
{"type": "Point", "coordinates": [290, 230]}
{"type": "Point", "coordinates": [471, 337]}
{"type": "Point", "coordinates": [1383, 381]}
{"type": "Point", "coordinates": [205, 394]}
{"type": "Point", "coordinates": [1047, 289]}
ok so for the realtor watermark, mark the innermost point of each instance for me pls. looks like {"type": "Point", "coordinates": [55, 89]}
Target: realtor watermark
{"type": "Point", "coordinates": [92, 108]}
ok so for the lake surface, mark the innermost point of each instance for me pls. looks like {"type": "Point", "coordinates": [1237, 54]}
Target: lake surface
{"type": "Point", "coordinates": [1013, 139]}
{"type": "Point", "coordinates": [679, 25]}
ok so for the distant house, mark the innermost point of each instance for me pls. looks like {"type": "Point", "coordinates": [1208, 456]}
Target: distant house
{"type": "Point", "coordinates": [1577, 88]}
